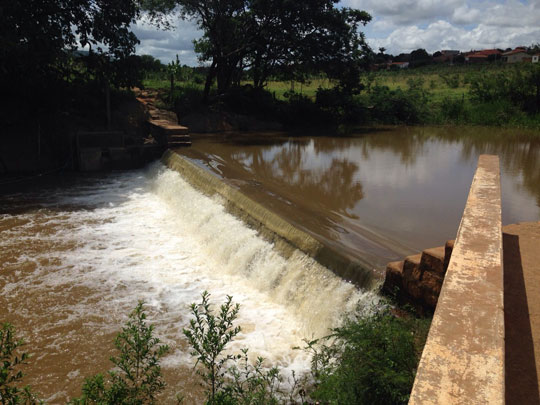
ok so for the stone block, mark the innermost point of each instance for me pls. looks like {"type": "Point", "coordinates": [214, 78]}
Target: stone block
{"type": "Point", "coordinates": [411, 267]}
{"type": "Point", "coordinates": [433, 261]}
{"type": "Point", "coordinates": [394, 277]}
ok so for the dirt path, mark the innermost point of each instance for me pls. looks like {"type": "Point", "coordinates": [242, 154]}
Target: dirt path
{"type": "Point", "coordinates": [522, 312]}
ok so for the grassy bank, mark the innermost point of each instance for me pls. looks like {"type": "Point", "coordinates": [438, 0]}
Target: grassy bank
{"type": "Point", "coordinates": [493, 95]}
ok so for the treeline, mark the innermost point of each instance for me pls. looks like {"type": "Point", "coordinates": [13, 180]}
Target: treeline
{"type": "Point", "coordinates": [370, 359]}
{"type": "Point", "coordinates": [42, 73]}
{"type": "Point", "coordinates": [52, 88]}
{"type": "Point", "coordinates": [273, 38]}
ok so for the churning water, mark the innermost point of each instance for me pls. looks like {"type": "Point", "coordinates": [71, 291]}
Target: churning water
{"type": "Point", "coordinates": [76, 258]}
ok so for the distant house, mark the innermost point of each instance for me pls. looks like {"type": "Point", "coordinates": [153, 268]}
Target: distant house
{"type": "Point", "coordinates": [536, 58]}
{"type": "Point", "coordinates": [517, 55]}
{"type": "Point", "coordinates": [485, 55]}
{"type": "Point", "coordinates": [445, 56]}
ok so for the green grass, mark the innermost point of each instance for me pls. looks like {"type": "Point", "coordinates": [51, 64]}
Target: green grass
{"type": "Point", "coordinates": [441, 94]}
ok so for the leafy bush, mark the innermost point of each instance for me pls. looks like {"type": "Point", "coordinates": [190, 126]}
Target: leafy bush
{"type": "Point", "coordinates": [249, 100]}
{"type": "Point", "coordinates": [398, 106]}
{"type": "Point", "coordinates": [188, 99]}
{"type": "Point", "coordinates": [139, 379]}
{"type": "Point", "coordinates": [208, 335]}
{"type": "Point", "coordinates": [369, 360]}
{"type": "Point", "coordinates": [415, 83]}
{"type": "Point", "coordinates": [228, 379]}
{"type": "Point", "coordinates": [340, 107]}
{"type": "Point", "coordinates": [10, 373]}
{"type": "Point", "coordinates": [520, 86]}
{"type": "Point", "coordinates": [301, 111]}
{"type": "Point", "coordinates": [453, 110]}
{"type": "Point", "coordinates": [452, 81]}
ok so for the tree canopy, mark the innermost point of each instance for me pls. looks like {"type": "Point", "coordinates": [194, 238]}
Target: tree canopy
{"type": "Point", "coordinates": [270, 37]}
{"type": "Point", "coordinates": [39, 38]}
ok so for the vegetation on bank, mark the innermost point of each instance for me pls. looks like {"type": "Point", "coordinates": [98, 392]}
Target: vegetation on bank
{"type": "Point", "coordinates": [492, 95]}
{"type": "Point", "coordinates": [369, 359]}
{"type": "Point", "coordinates": [304, 65]}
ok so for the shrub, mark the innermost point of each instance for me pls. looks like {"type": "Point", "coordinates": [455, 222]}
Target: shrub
{"type": "Point", "coordinates": [228, 378]}
{"type": "Point", "coordinates": [453, 110]}
{"type": "Point", "coordinates": [139, 379]}
{"type": "Point", "coordinates": [369, 360]}
{"type": "Point", "coordinates": [10, 373]}
{"type": "Point", "coordinates": [301, 111]}
{"type": "Point", "coordinates": [250, 100]}
{"type": "Point", "coordinates": [208, 335]}
{"type": "Point", "coordinates": [188, 99]}
{"type": "Point", "coordinates": [398, 106]}
{"type": "Point", "coordinates": [452, 81]}
{"type": "Point", "coordinates": [519, 86]}
{"type": "Point", "coordinates": [339, 107]}
{"type": "Point", "coordinates": [415, 83]}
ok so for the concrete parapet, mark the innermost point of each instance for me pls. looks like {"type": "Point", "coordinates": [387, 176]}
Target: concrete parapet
{"type": "Point", "coordinates": [463, 359]}
{"type": "Point", "coordinates": [285, 237]}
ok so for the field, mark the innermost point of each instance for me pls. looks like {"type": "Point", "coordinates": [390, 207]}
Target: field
{"type": "Point", "coordinates": [440, 80]}
{"type": "Point", "coordinates": [435, 94]}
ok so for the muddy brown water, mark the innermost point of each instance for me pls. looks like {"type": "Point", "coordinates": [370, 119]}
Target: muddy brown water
{"type": "Point", "coordinates": [78, 252]}
{"type": "Point", "coordinates": [382, 194]}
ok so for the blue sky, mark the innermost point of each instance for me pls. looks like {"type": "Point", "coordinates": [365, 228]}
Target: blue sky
{"type": "Point", "coordinates": [397, 25]}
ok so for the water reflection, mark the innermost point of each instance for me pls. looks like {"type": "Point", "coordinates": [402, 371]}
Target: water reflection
{"type": "Point", "coordinates": [377, 195]}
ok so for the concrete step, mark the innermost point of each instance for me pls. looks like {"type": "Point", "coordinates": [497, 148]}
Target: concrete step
{"type": "Point", "coordinates": [412, 274]}
{"type": "Point", "coordinates": [394, 277]}
{"type": "Point", "coordinates": [411, 267]}
{"type": "Point", "coordinates": [169, 129]}
{"type": "Point", "coordinates": [433, 261]}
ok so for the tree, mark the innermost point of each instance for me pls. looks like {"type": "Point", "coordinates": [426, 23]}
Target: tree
{"type": "Point", "coordinates": [37, 43]}
{"type": "Point", "coordinates": [208, 334]}
{"type": "Point", "coordinates": [173, 69]}
{"type": "Point", "coordinates": [271, 36]}
{"type": "Point", "coordinates": [308, 37]}
{"type": "Point", "coordinates": [420, 57]}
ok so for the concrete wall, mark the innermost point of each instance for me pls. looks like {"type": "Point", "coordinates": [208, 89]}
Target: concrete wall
{"type": "Point", "coordinates": [270, 226]}
{"type": "Point", "coordinates": [463, 360]}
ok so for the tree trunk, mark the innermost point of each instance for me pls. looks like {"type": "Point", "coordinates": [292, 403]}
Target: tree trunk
{"type": "Point", "coordinates": [209, 80]}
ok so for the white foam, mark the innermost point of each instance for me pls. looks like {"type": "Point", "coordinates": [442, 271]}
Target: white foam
{"type": "Point", "coordinates": [151, 236]}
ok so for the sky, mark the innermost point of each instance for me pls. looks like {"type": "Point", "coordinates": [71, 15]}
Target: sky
{"type": "Point", "coordinates": [397, 25]}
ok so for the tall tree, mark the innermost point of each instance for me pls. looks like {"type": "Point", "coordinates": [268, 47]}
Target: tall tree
{"type": "Point", "coordinates": [38, 39]}
{"type": "Point", "coordinates": [268, 36]}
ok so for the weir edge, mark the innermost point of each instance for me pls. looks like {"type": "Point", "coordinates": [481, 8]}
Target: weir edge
{"type": "Point", "coordinates": [286, 237]}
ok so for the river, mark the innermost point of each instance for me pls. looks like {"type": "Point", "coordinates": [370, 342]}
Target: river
{"type": "Point", "coordinates": [378, 195]}
{"type": "Point", "coordinates": [78, 252]}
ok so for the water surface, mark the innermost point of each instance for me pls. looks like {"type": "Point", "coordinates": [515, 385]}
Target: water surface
{"type": "Point", "coordinates": [78, 252]}
{"type": "Point", "coordinates": [381, 194]}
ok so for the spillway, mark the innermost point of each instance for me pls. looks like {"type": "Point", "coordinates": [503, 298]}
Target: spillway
{"type": "Point", "coordinates": [76, 257]}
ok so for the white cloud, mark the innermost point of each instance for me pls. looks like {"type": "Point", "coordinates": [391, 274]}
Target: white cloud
{"type": "Point", "coordinates": [443, 35]}
{"type": "Point", "coordinates": [166, 44]}
{"type": "Point", "coordinates": [404, 12]}
{"type": "Point", "coordinates": [466, 25]}
{"type": "Point", "coordinates": [398, 25]}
